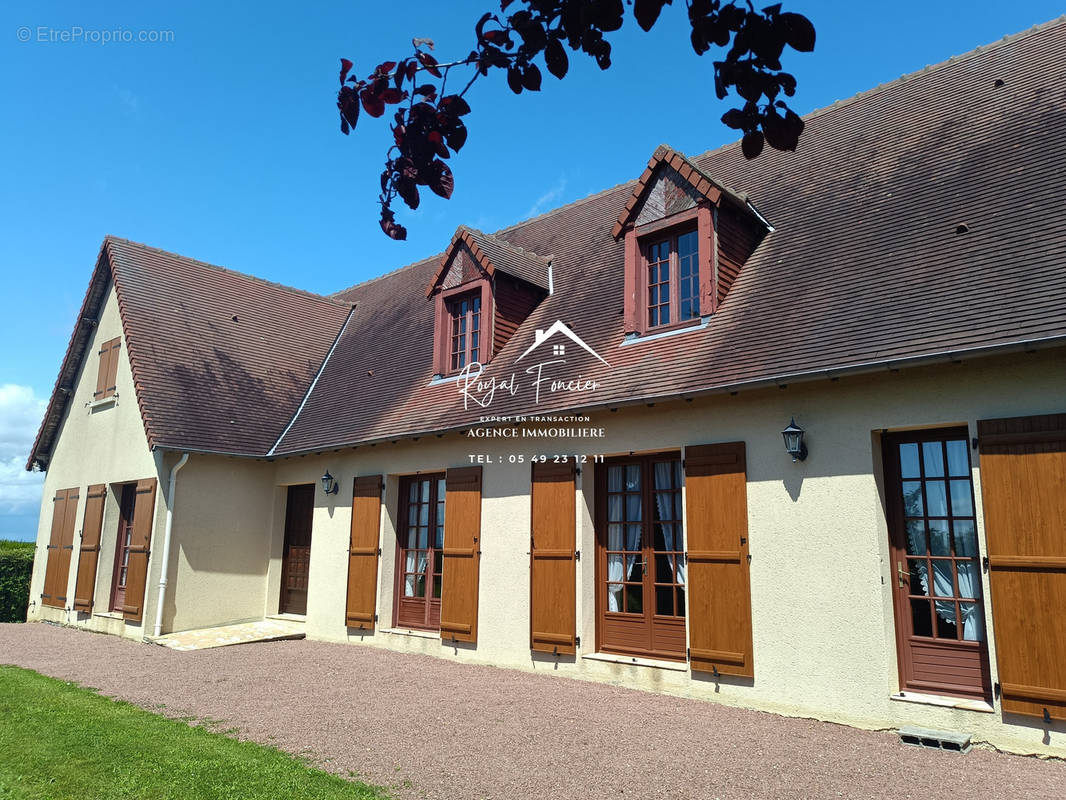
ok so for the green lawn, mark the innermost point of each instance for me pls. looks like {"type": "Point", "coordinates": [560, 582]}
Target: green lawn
{"type": "Point", "coordinates": [62, 742]}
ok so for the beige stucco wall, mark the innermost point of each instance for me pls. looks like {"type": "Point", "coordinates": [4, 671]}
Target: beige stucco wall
{"type": "Point", "coordinates": [220, 547]}
{"type": "Point", "coordinates": [99, 444]}
{"type": "Point", "coordinates": [821, 598]}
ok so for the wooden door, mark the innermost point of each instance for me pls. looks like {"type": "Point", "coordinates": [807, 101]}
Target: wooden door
{"type": "Point", "coordinates": [936, 568]}
{"type": "Point", "coordinates": [296, 557]}
{"type": "Point", "coordinates": [1023, 483]}
{"type": "Point", "coordinates": [553, 597]}
{"type": "Point", "coordinates": [419, 556]}
{"type": "Point", "coordinates": [640, 557]}
{"type": "Point", "coordinates": [122, 546]}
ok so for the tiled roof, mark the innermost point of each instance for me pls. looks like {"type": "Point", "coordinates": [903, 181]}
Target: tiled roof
{"type": "Point", "coordinates": [494, 254]}
{"type": "Point", "coordinates": [221, 360]}
{"type": "Point", "coordinates": [921, 218]}
{"type": "Point", "coordinates": [865, 265]}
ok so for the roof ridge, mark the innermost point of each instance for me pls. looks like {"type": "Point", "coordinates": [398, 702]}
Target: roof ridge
{"type": "Point", "coordinates": [437, 257]}
{"type": "Point", "coordinates": [906, 77]}
{"type": "Point", "coordinates": [492, 237]}
{"type": "Point", "coordinates": [979, 50]}
{"type": "Point", "coordinates": [325, 298]}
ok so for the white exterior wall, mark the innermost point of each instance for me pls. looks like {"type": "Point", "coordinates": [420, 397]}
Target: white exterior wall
{"type": "Point", "coordinates": [102, 444]}
{"type": "Point", "coordinates": [828, 654]}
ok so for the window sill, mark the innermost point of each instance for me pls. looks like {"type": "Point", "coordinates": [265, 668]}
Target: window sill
{"type": "Point", "coordinates": [103, 402]}
{"type": "Point", "coordinates": [108, 614]}
{"type": "Point", "coordinates": [412, 632]}
{"type": "Point", "coordinates": [634, 661]}
{"type": "Point", "coordinates": [437, 380]}
{"type": "Point", "coordinates": [943, 701]}
{"type": "Point", "coordinates": [648, 337]}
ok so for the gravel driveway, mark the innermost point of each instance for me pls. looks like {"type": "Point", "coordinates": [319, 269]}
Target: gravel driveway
{"type": "Point", "coordinates": [430, 728]}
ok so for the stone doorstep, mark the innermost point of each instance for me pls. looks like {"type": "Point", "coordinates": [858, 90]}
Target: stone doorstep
{"type": "Point", "coordinates": [268, 630]}
{"type": "Point", "coordinates": [934, 739]}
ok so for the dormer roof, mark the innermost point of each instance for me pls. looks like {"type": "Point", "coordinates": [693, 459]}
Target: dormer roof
{"type": "Point", "coordinates": [492, 254]}
{"type": "Point", "coordinates": [697, 183]}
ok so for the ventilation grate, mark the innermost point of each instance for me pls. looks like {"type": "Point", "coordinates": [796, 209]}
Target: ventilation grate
{"type": "Point", "coordinates": [935, 740]}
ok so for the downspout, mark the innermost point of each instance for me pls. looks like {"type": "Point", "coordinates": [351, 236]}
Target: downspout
{"type": "Point", "coordinates": [166, 543]}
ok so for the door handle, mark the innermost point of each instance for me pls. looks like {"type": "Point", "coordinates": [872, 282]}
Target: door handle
{"type": "Point", "coordinates": [900, 574]}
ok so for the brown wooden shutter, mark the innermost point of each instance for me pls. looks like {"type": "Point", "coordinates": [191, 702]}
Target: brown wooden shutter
{"type": "Point", "coordinates": [552, 563]}
{"type": "Point", "coordinates": [1023, 483]}
{"type": "Point", "coordinates": [107, 371]}
{"type": "Point", "coordinates": [363, 552]}
{"type": "Point", "coordinates": [91, 526]}
{"type": "Point", "coordinates": [140, 539]}
{"type": "Point", "coordinates": [462, 554]}
{"type": "Point", "coordinates": [58, 550]}
{"type": "Point", "coordinates": [719, 589]}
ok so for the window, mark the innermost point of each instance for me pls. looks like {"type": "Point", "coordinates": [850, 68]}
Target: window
{"type": "Point", "coordinates": [465, 314]}
{"type": "Point", "coordinates": [122, 550]}
{"type": "Point", "coordinates": [108, 369]}
{"type": "Point", "coordinates": [420, 560]}
{"type": "Point", "coordinates": [673, 279]}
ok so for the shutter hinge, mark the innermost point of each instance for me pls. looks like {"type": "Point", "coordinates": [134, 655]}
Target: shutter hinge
{"type": "Point", "coordinates": [375, 618]}
{"type": "Point", "coordinates": [984, 563]}
{"type": "Point", "coordinates": [577, 470]}
{"type": "Point", "coordinates": [1047, 716]}
{"type": "Point", "coordinates": [379, 551]}
{"type": "Point", "coordinates": [688, 653]}
{"type": "Point", "coordinates": [577, 555]}
{"type": "Point", "coordinates": [974, 443]}
{"type": "Point", "coordinates": [577, 641]}
{"type": "Point", "coordinates": [997, 690]}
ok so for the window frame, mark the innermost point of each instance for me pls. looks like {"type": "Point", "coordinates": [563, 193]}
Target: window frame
{"type": "Point", "coordinates": [434, 555]}
{"type": "Point", "coordinates": [470, 351]}
{"type": "Point", "coordinates": [638, 242]}
{"type": "Point", "coordinates": [442, 339]}
{"type": "Point", "coordinates": [672, 239]}
{"type": "Point", "coordinates": [127, 503]}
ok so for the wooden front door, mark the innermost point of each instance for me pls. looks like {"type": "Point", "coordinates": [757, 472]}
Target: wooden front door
{"type": "Point", "coordinates": [296, 558]}
{"type": "Point", "coordinates": [936, 568]}
{"type": "Point", "coordinates": [419, 557]}
{"type": "Point", "coordinates": [640, 561]}
{"type": "Point", "coordinates": [122, 546]}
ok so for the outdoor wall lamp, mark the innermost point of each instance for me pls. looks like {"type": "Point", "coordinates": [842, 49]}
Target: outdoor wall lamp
{"type": "Point", "coordinates": [794, 444]}
{"type": "Point", "coordinates": [329, 486]}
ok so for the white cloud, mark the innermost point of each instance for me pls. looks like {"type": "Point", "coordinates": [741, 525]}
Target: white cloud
{"type": "Point", "coordinates": [20, 415]}
{"type": "Point", "coordinates": [547, 200]}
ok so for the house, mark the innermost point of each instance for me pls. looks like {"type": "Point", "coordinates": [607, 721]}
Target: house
{"type": "Point", "coordinates": [400, 465]}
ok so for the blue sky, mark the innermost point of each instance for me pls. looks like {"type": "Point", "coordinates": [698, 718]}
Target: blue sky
{"type": "Point", "coordinates": [223, 144]}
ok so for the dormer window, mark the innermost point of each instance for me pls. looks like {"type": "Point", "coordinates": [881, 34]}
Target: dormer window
{"type": "Point", "coordinates": [686, 238]}
{"type": "Point", "coordinates": [483, 290]}
{"type": "Point", "coordinates": [465, 314]}
{"type": "Point", "coordinates": [673, 279]}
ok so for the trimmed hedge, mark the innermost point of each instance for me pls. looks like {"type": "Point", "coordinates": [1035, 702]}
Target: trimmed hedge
{"type": "Point", "coordinates": [16, 564]}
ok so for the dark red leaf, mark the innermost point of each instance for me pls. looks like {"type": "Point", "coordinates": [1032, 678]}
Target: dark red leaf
{"type": "Point", "coordinates": [348, 103]}
{"type": "Point", "coordinates": [799, 32]}
{"type": "Point", "coordinates": [346, 65]}
{"type": "Point", "coordinates": [647, 12]}
{"type": "Point", "coordinates": [442, 182]}
{"type": "Point", "coordinates": [430, 63]}
{"type": "Point", "coordinates": [385, 68]}
{"type": "Point", "coordinates": [372, 104]}
{"type": "Point", "coordinates": [531, 78]}
{"type": "Point", "coordinates": [436, 141]}
{"type": "Point", "coordinates": [406, 188]}
{"type": "Point", "coordinates": [555, 58]}
{"type": "Point", "coordinates": [393, 96]}
{"type": "Point", "coordinates": [735, 118]}
{"type": "Point", "coordinates": [456, 136]}
{"type": "Point", "coordinates": [391, 228]}
{"type": "Point", "coordinates": [411, 69]}
{"type": "Point", "coordinates": [454, 105]}
{"type": "Point", "coordinates": [751, 144]}
{"type": "Point", "coordinates": [425, 90]}
{"type": "Point", "coordinates": [514, 80]}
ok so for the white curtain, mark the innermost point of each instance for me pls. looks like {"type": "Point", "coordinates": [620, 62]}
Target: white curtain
{"type": "Point", "coordinates": [621, 536]}
{"type": "Point", "coordinates": [665, 502]}
{"type": "Point", "coordinates": [410, 582]}
{"type": "Point", "coordinates": [973, 624]}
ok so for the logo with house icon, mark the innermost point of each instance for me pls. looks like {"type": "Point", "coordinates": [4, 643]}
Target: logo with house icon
{"type": "Point", "coordinates": [559, 345]}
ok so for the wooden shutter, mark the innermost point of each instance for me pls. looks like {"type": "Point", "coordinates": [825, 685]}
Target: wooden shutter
{"type": "Point", "coordinates": [553, 601]}
{"type": "Point", "coordinates": [1023, 483]}
{"type": "Point", "coordinates": [59, 548]}
{"type": "Point", "coordinates": [462, 554]}
{"type": "Point", "coordinates": [107, 374]}
{"type": "Point", "coordinates": [719, 590]}
{"type": "Point", "coordinates": [363, 552]}
{"type": "Point", "coordinates": [91, 526]}
{"type": "Point", "coordinates": [140, 540]}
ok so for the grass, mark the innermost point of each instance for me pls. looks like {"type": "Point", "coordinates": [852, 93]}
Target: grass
{"type": "Point", "coordinates": [59, 741]}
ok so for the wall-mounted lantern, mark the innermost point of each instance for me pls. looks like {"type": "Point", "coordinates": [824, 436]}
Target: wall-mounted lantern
{"type": "Point", "coordinates": [794, 444]}
{"type": "Point", "coordinates": [329, 486]}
